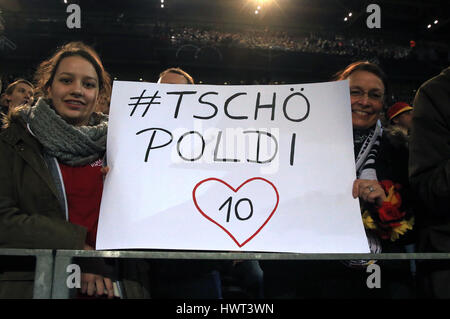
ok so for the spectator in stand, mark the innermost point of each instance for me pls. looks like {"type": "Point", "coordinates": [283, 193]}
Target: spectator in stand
{"type": "Point", "coordinates": [386, 215]}
{"type": "Point", "coordinates": [398, 130]}
{"type": "Point", "coordinates": [429, 172]}
{"type": "Point", "coordinates": [17, 93]}
{"type": "Point", "coordinates": [382, 184]}
{"type": "Point", "coordinates": [400, 115]}
{"type": "Point", "coordinates": [175, 76]}
{"type": "Point", "coordinates": [51, 181]}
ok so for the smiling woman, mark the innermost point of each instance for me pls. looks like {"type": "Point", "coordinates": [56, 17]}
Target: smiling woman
{"type": "Point", "coordinates": [386, 208]}
{"type": "Point", "coordinates": [366, 94]}
{"type": "Point", "coordinates": [51, 185]}
{"type": "Point", "coordinates": [81, 56]}
{"type": "Point", "coordinates": [368, 86]}
{"type": "Point", "coordinates": [74, 90]}
{"type": "Point", "coordinates": [387, 211]}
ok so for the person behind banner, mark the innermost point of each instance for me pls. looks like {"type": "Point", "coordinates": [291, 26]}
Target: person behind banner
{"type": "Point", "coordinates": [51, 181]}
{"type": "Point", "coordinates": [198, 279]}
{"type": "Point", "coordinates": [175, 76]}
{"type": "Point", "coordinates": [399, 116]}
{"type": "Point", "coordinates": [397, 132]}
{"type": "Point", "coordinates": [429, 172]}
{"type": "Point", "coordinates": [239, 277]}
{"type": "Point", "coordinates": [386, 210]}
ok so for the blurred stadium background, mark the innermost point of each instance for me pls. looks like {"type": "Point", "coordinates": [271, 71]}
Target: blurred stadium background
{"type": "Point", "coordinates": [234, 41]}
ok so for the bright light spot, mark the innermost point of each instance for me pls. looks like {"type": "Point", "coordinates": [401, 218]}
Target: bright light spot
{"type": "Point", "coordinates": [140, 79]}
{"type": "Point", "coordinates": [162, 6]}
{"type": "Point", "coordinates": [436, 21]}
{"type": "Point", "coordinates": [345, 19]}
{"type": "Point", "coordinates": [259, 8]}
{"type": "Point", "coordinates": [65, 1]}
{"type": "Point", "coordinates": [162, 1]}
{"type": "Point", "coordinates": [350, 14]}
{"type": "Point", "coordinates": [256, 12]}
{"type": "Point", "coordinates": [429, 26]}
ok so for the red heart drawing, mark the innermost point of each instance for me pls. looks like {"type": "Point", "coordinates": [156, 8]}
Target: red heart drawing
{"type": "Point", "coordinates": [236, 190]}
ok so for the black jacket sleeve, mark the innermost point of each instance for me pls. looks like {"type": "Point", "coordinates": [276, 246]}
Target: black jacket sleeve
{"type": "Point", "coordinates": [429, 162]}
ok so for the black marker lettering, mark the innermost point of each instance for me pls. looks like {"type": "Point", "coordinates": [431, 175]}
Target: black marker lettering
{"type": "Point", "coordinates": [265, 106]}
{"type": "Point", "coordinates": [139, 98]}
{"type": "Point", "coordinates": [200, 100]}
{"type": "Point", "coordinates": [150, 144]}
{"type": "Point", "coordinates": [179, 142]}
{"type": "Point", "coordinates": [292, 149]}
{"type": "Point", "coordinates": [258, 147]}
{"type": "Point", "coordinates": [181, 93]}
{"type": "Point", "coordinates": [237, 206]}
{"type": "Point", "coordinates": [229, 207]}
{"type": "Point", "coordinates": [216, 150]}
{"type": "Point", "coordinates": [227, 102]}
{"type": "Point", "coordinates": [286, 103]}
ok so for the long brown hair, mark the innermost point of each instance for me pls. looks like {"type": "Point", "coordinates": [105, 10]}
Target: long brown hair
{"type": "Point", "coordinates": [45, 73]}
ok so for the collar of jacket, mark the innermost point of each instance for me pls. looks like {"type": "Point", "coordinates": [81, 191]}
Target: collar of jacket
{"type": "Point", "coordinates": [29, 149]}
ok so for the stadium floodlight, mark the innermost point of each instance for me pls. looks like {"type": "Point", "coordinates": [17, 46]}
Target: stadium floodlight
{"type": "Point", "coordinates": [264, 2]}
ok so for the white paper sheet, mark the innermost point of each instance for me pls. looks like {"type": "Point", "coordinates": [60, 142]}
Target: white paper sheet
{"type": "Point", "coordinates": [209, 170]}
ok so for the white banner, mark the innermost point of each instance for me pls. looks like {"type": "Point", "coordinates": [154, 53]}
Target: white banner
{"type": "Point", "coordinates": [247, 168]}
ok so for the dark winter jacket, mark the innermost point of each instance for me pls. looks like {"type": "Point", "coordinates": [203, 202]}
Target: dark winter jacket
{"type": "Point", "coordinates": [31, 216]}
{"type": "Point", "coordinates": [429, 170]}
{"type": "Point", "coordinates": [429, 165]}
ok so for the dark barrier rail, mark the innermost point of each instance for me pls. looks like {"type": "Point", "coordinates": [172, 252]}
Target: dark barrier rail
{"type": "Point", "coordinates": [51, 266]}
{"type": "Point", "coordinates": [63, 258]}
{"type": "Point", "coordinates": [43, 276]}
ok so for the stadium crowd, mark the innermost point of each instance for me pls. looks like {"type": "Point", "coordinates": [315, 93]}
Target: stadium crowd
{"type": "Point", "coordinates": [335, 44]}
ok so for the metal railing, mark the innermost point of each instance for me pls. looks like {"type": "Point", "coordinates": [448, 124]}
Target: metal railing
{"type": "Point", "coordinates": [51, 265]}
{"type": "Point", "coordinates": [43, 273]}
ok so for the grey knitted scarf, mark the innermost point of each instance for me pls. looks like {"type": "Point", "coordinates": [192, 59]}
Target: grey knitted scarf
{"type": "Point", "coordinates": [71, 145]}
